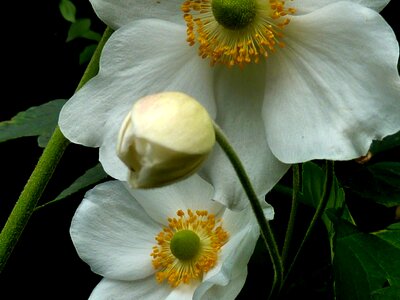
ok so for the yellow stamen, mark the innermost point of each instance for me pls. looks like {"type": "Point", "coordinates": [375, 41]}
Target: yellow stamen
{"type": "Point", "coordinates": [211, 235]}
{"type": "Point", "coordinates": [238, 46]}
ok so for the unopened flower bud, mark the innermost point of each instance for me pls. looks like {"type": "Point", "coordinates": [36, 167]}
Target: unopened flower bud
{"type": "Point", "coordinates": [165, 138]}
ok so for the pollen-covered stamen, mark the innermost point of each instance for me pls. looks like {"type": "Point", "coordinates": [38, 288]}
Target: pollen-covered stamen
{"type": "Point", "coordinates": [251, 30]}
{"type": "Point", "coordinates": [188, 247]}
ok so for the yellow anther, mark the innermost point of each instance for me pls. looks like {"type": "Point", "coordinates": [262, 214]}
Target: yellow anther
{"type": "Point", "coordinates": [236, 46]}
{"type": "Point", "coordinates": [212, 237]}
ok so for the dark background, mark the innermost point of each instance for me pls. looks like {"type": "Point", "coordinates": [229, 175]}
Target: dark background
{"type": "Point", "coordinates": [39, 66]}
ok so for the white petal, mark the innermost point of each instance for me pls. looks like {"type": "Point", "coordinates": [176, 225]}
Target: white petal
{"type": "Point", "coordinates": [268, 210]}
{"type": "Point", "coordinates": [335, 87]}
{"type": "Point", "coordinates": [132, 66]}
{"type": "Point", "coordinates": [108, 156]}
{"type": "Point", "coordinates": [145, 289]}
{"type": "Point", "coordinates": [234, 257]}
{"type": "Point", "coordinates": [209, 290]}
{"type": "Point", "coordinates": [235, 254]}
{"type": "Point", "coordinates": [192, 193]}
{"type": "Point", "coordinates": [239, 96]}
{"type": "Point", "coordinates": [116, 13]}
{"type": "Point", "coordinates": [237, 221]}
{"type": "Point", "coordinates": [113, 234]}
{"type": "Point", "coordinates": [183, 292]}
{"type": "Point", "coordinates": [307, 6]}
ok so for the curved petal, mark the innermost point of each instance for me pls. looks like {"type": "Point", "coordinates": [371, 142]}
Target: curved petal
{"type": "Point", "coordinates": [209, 290]}
{"type": "Point", "coordinates": [307, 6]}
{"type": "Point", "coordinates": [146, 289]}
{"type": "Point", "coordinates": [116, 13]}
{"type": "Point", "coordinates": [183, 292]}
{"type": "Point", "coordinates": [335, 87]}
{"type": "Point", "coordinates": [113, 234]}
{"type": "Point", "coordinates": [235, 255]}
{"type": "Point", "coordinates": [132, 66]}
{"type": "Point", "coordinates": [163, 203]}
{"type": "Point", "coordinates": [239, 95]}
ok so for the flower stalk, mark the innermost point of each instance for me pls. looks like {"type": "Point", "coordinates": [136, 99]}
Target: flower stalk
{"type": "Point", "coordinates": [293, 212]}
{"type": "Point", "coordinates": [42, 173]}
{"type": "Point", "coordinates": [265, 228]}
{"type": "Point", "coordinates": [326, 192]}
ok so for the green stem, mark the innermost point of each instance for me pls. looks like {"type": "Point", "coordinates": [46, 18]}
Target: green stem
{"type": "Point", "coordinates": [93, 66]}
{"type": "Point", "coordinates": [265, 228]}
{"type": "Point", "coordinates": [293, 212]}
{"type": "Point", "coordinates": [30, 195]}
{"type": "Point", "coordinates": [41, 175]}
{"type": "Point", "coordinates": [328, 183]}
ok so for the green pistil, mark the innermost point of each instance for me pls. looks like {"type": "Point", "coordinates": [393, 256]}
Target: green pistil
{"type": "Point", "coordinates": [185, 244]}
{"type": "Point", "coordinates": [234, 14]}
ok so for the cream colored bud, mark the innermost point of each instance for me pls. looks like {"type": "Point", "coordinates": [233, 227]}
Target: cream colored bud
{"type": "Point", "coordinates": [165, 138]}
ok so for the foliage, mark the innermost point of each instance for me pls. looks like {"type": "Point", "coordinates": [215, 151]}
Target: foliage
{"type": "Point", "coordinates": [79, 28]}
{"type": "Point", "coordinates": [358, 262]}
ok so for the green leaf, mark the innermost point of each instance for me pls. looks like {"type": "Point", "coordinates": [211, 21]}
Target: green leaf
{"type": "Point", "coordinates": [387, 143]}
{"type": "Point", "coordinates": [391, 235]}
{"type": "Point", "coordinates": [387, 293]}
{"type": "Point", "coordinates": [35, 121]}
{"type": "Point", "coordinates": [379, 182]}
{"type": "Point", "coordinates": [363, 263]}
{"type": "Point", "coordinates": [313, 185]}
{"type": "Point", "coordinates": [91, 35]}
{"type": "Point", "coordinates": [81, 29]}
{"type": "Point", "coordinates": [387, 173]}
{"type": "Point", "coordinates": [90, 177]}
{"type": "Point", "coordinates": [68, 10]}
{"type": "Point", "coordinates": [87, 54]}
{"type": "Point", "coordinates": [387, 179]}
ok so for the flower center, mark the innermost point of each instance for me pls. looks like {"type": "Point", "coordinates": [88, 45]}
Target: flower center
{"type": "Point", "coordinates": [185, 244]}
{"type": "Point", "coordinates": [188, 247]}
{"type": "Point", "coordinates": [234, 14]}
{"type": "Point", "coordinates": [235, 32]}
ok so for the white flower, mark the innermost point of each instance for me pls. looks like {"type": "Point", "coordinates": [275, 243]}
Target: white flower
{"type": "Point", "coordinates": [165, 138]}
{"type": "Point", "coordinates": [123, 235]}
{"type": "Point", "coordinates": [328, 87]}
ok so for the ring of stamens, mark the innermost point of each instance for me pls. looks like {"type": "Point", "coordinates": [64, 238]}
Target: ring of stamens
{"type": "Point", "coordinates": [188, 266]}
{"type": "Point", "coordinates": [236, 46]}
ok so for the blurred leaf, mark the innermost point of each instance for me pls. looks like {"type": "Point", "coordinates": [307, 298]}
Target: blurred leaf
{"type": "Point", "coordinates": [391, 235]}
{"type": "Point", "coordinates": [81, 29]}
{"type": "Point", "coordinates": [313, 185]}
{"type": "Point", "coordinates": [90, 177]}
{"type": "Point", "coordinates": [387, 172]}
{"type": "Point", "coordinates": [363, 263]}
{"type": "Point", "coordinates": [387, 143]}
{"type": "Point", "coordinates": [87, 54]}
{"type": "Point", "coordinates": [387, 293]}
{"type": "Point", "coordinates": [68, 10]}
{"type": "Point", "coordinates": [379, 182]}
{"type": "Point", "coordinates": [35, 121]}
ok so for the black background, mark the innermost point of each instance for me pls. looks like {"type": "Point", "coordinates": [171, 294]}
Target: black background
{"type": "Point", "coordinates": [39, 66]}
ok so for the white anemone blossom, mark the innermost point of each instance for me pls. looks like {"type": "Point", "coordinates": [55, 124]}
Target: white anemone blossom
{"type": "Point", "coordinates": [288, 81]}
{"type": "Point", "coordinates": [166, 243]}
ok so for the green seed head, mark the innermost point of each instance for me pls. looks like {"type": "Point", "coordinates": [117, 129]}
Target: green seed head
{"type": "Point", "coordinates": [234, 14]}
{"type": "Point", "coordinates": [185, 244]}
